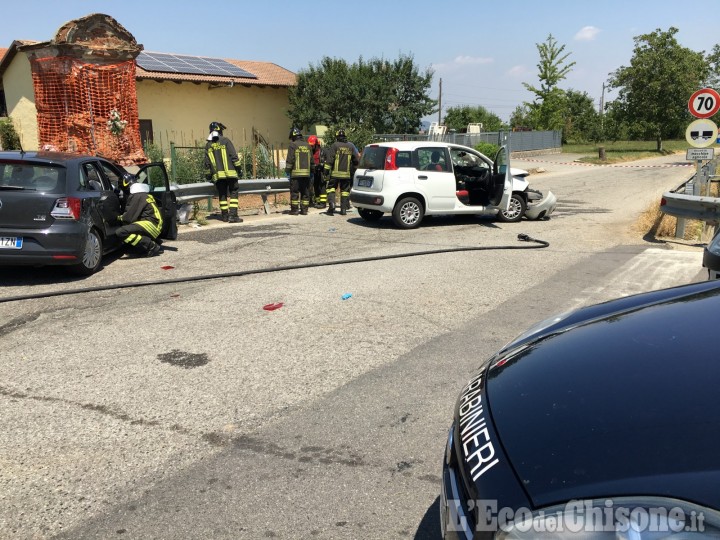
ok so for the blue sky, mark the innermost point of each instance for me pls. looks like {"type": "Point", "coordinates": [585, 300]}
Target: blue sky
{"type": "Point", "coordinates": [482, 50]}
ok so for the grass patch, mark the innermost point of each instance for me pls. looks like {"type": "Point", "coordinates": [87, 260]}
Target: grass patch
{"type": "Point", "coordinates": [621, 151]}
{"type": "Point", "coordinates": [653, 223]}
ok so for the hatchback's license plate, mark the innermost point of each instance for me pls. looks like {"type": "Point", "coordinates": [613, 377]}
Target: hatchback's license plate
{"type": "Point", "coordinates": [365, 182]}
{"type": "Point", "coordinates": [10, 242]}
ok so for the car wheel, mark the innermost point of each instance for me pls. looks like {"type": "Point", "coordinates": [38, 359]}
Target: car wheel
{"type": "Point", "coordinates": [515, 211]}
{"type": "Point", "coordinates": [370, 215]}
{"type": "Point", "coordinates": [408, 213]}
{"type": "Point", "coordinates": [92, 255]}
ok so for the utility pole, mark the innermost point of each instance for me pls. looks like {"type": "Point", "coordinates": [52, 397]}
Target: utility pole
{"type": "Point", "coordinates": [440, 103]}
{"type": "Point", "coordinates": [602, 106]}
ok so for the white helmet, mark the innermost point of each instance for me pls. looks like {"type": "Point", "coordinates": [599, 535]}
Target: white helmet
{"type": "Point", "coordinates": [136, 187]}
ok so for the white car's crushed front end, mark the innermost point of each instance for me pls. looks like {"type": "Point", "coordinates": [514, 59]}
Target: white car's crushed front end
{"type": "Point", "coordinates": [542, 208]}
{"type": "Point", "coordinates": [538, 206]}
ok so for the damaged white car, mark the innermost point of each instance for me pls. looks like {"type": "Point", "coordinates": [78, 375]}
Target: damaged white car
{"type": "Point", "coordinates": [414, 179]}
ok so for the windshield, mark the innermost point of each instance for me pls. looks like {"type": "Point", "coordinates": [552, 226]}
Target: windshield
{"type": "Point", "coordinates": [31, 176]}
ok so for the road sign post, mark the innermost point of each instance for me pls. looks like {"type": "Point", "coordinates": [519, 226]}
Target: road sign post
{"type": "Point", "coordinates": [700, 134]}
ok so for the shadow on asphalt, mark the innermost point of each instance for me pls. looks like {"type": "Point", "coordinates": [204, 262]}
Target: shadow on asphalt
{"type": "Point", "coordinates": [429, 527]}
{"type": "Point", "coordinates": [21, 276]}
{"type": "Point", "coordinates": [386, 222]}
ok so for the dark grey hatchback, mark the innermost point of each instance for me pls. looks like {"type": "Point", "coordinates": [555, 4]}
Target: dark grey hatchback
{"type": "Point", "coordinates": [61, 209]}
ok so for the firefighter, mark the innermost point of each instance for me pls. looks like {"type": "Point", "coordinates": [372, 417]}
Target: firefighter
{"type": "Point", "coordinates": [341, 160]}
{"type": "Point", "coordinates": [221, 167]}
{"type": "Point", "coordinates": [298, 168]}
{"type": "Point", "coordinates": [142, 222]}
{"type": "Point", "coordinates": [318, 180]}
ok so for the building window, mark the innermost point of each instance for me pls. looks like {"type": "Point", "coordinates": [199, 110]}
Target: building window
{"type": "Point", "coordinates": [146, 132]}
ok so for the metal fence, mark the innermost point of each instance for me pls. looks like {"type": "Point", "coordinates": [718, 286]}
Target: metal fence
{"type": "Point", "coordinates": [187, 163]}
{"type": "Point", "coordinates": [259, 174]}
{"type": "Point", "coordinates": [520, 141]}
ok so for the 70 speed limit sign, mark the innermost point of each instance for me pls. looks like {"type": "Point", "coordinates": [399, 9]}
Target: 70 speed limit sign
{"type": "Point", "coordinates": [704, 103]}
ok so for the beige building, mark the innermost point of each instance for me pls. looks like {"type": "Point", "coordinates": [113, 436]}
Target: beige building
{"type": "Point", "coordinates": [40, 81]}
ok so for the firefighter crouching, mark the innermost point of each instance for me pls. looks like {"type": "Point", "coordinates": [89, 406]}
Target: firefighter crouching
{"type": "Point", "coordinates": [341, 159]}
{"type": "Point", "coordinates": [298, 166]}
{"type": "Point", "coordinates": [142, 222]}
{"type": "Point", "coordinates": [221, 168]}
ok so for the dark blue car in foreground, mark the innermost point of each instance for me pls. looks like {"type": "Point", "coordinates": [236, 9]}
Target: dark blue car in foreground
{"type": "Point", "coordinates": [603, 423]}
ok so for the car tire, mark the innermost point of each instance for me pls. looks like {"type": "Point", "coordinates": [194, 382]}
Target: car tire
{"type": "Point", "coordinates": [91, 256]}
{"type": "Point", "coordinates": [408, 213]}
{"type": "Point", "coordinates": [370, 215]}
{"type": "Point", "coordinates": [515, 211]}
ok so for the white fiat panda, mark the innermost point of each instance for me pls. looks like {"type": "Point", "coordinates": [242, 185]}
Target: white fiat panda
{"type": "Point", "coordinates": [412, 179]}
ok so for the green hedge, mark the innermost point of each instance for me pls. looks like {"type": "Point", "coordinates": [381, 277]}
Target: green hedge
{"type": "Point", "coordinates": [9, 139]}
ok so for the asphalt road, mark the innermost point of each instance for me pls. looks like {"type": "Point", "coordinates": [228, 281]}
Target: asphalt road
{"type": "Point", "coordinates": [186, 410]}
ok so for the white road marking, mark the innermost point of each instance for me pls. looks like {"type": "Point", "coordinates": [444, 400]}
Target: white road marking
{"type": "Point", "coordinates": [650, 270]}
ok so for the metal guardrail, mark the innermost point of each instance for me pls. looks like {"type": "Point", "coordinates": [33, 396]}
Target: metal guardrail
{"type": "Point", "coordinates": [187, 193]}
{"type": "Point", "coordinates": [680, 205]}
{"type": "Point", "coordinates": [686, 201]}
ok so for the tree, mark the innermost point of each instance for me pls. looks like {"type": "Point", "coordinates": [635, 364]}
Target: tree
{"type": "Point", "coordinates": [653, 91]}
{"type": "Point", "coordinates": [458, 118]}
{"type": "Point", "coordinates": [713, 59]}
{"type": "Point", "coordinates": [374, 96]}
{"type": "Point", "coordinates": [520, 118]}
{"type": "Point", "coordinates": [549, 108]}
{"type": "Point", "coordinates": [582, 122]}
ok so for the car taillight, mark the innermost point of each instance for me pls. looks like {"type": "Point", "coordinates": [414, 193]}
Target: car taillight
{"type": "Point", "coordinates": [67, 208]}
{"type": "Point", "coordinates": [390, 164]}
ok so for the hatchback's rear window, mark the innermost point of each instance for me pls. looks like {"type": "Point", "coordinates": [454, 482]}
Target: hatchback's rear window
{"type": "Point", "coordinates": [373, 157]}
{"type": "Point", "coordinates": [32, 177]}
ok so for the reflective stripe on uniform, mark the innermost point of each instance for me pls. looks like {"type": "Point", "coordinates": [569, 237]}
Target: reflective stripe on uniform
{"type": "Point", "coordinates": [343, 160]}
{"type": "Point", "coordinates": [226, 171]}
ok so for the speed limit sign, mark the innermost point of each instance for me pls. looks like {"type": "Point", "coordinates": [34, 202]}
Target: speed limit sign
{"type": "Point", "coordinates": [704, 103]}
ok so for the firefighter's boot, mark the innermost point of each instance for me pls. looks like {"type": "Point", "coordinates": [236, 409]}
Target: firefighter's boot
{"type": "Point", "coordinates": [224, 215]}
{"type": "Point", "coordinates": [234, 218]}
{"type": "Point", "coordinates": [343, 205]}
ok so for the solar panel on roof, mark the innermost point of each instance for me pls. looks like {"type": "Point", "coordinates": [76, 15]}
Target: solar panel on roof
{"type": "Point", "coordinates": [191, 65]}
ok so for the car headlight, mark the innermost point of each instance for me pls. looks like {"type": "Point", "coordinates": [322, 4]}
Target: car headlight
{"type": "Point", "coordinates": [714, 246]}
{"type": "Point", "coordinates": [627, 518]}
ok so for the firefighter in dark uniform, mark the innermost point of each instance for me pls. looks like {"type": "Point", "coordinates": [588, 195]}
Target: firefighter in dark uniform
{"type": "Point", "coordinates": [341, 159]}
{"type": "Point", "coordinates": [142, 222]}
{"type": "Point", "coordinates": [298, 165]}
{"type": "Point", "coordinates": [221, 168]}
{"type": "Point", "coordinates": [318, 178]}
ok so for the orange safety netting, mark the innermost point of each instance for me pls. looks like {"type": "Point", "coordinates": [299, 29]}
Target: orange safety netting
{"type": "Point", "coordinates": [74, 100]}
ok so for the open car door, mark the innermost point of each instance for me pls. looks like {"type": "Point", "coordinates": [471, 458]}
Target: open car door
{"type": "Point", "coordinates": [501, 180]}
{"type": "Point", "coordinates": [156, 175]}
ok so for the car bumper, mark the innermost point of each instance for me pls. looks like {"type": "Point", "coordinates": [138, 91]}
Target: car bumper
{"type": "Point", "coordinates": [373, 201]}
{"type": "Point", "coordinates": [56, 245]}
{"type": "Point", "coordinates": [454, 522]}
{"type": "Point", "coordinates": [543, 208]}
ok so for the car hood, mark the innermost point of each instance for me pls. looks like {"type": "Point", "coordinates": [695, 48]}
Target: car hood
{"type": "Point", "coordinates": [626, 404]}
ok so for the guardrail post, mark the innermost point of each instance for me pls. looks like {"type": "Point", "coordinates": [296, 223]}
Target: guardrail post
{"type": "Point", "coordinates": [173, 162]}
